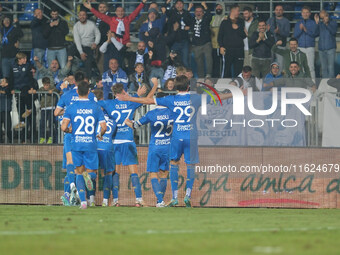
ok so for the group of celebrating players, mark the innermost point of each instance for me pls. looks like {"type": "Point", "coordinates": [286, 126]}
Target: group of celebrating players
{"type": "Point", "coordinates": [99, 135]}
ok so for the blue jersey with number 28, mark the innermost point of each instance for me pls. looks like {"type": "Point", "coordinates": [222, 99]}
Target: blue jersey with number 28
{"type": "Point", "coordinates": [84, 116]}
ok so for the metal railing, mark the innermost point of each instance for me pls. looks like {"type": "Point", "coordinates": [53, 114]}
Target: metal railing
{"type": "Point", "coordinates": [42, 127]}
{"type": "Point", "coordinates": [39, 124]}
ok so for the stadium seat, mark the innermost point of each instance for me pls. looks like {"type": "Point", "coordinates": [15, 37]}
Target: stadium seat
{"type": "Point", "coordinates": [297, 9]}
{"type": "Point", "coordinates": [336, 14]}
{"type": "Point", "coordinates": [29, 11]}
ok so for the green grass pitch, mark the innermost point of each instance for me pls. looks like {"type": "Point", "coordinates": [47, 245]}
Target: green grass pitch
{"type": "Point", "coordinates": [67, 230]}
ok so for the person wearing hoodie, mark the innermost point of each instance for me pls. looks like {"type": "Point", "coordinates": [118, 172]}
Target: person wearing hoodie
{"type": "Point", "coordinates": [273, 75]}
{"type": "Point", "coordinates": [326, 28]}
{"type": "Point", "coordinates": [201, 40]}
{"type": "Point", "coordinates": [305, 31]}
{"type": "Point", "coordinates": [261, 43]}
{"type": "Point", "coordinates": [11, 33]}
{"type": "Point", "coordinates": [153, 22]}
{"type": "Point", "coordinates": [214, 28]}
{"type": "Point", "coordinates": [292, 54]}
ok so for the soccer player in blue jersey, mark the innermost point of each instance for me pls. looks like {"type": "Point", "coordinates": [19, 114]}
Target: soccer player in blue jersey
{"type": "Point", "coordinates": [184, 137]}
{"type": "Point", "coordinates": [66, 100]}
{"type": "Point", "coordinates": [84, 116]}
{"type": "Point", "coordinates": [124, 146]}
{"type": "Point", "coordinates": [161, 121]}
{"type": "Point", "coordinates": [106, 152]}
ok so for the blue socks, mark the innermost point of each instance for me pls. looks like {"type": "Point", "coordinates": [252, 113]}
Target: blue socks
{"type": "Point", "coordinates": [174, 180]}
{"type": "Point", "coordinates": [157, 189]}
{"type": "Point", "coordinates": [136, 185]}
{"type": "Point", "coordinates": [163, 182]}
{"type": "Point", "coordinates": [66, 185]}
{"type": "Point", "coordinates": [107, 186]}
{"type": "Point", "coordinates": [115, 185]}
{"type": "Point", "coordinates": [70, 173]}
{"type": "Point", "coordinates": [190, 179]}
{"type": "Point", "coordinates": [81, 187]}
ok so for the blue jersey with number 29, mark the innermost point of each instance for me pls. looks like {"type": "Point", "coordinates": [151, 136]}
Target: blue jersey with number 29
{"type": "Point", "coordinates": [184, 107]}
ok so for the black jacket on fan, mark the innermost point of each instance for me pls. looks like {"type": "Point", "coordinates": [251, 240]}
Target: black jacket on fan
{"type": "Point", "coordinates": [37, 27]}
{"type": "Point", "coordinates": [21, 76]}
{"type": "Point", "coordinates": [201, 30]}
{"type": "Point", "coordinates": [263, 48]}
{"type": "Point", "coordinates": [183, 19]}
{"type": "Point", "coordinates": [230, 38]}
{"type": "Point", "coordinates": [56, 35]}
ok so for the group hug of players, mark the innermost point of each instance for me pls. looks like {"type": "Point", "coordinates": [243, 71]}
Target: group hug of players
{"type": "Point", "coordinates": [99, 135]}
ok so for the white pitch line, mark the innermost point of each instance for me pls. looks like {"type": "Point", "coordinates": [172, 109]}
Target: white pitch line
{"type": "Point", "coordinates": [169, 232]}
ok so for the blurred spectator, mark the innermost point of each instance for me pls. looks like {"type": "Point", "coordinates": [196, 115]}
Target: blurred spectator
{"type": "Point", "coordinates": [273, 75]}
{"type": "Point", "coordinates": [22, 80]}
{"type": "Point", "coordinates": [47, 104]}
{"type": "Point", "coordinates": [156, 44]}
{"type": "Point", "coordinates": [335, 82]}
{"type": "Point", "coordinates": [140, 21]}
{"type": "Point", "coordinates": [246, 80]}
{"type": "Point", "coordinates": [5, 110]}
{"type": "Point", "coordinates": [111, 49]}
{"type": "Point", "coordinates": [103, 29]}
{"type": "Point", "coordinates": [53, 72]}
{"type": "Point", "coordinates": [119, 24]}
{"type": "Point", "coordinates": [181, 43]}
{"type": "Point", "coordinates": [215, 27]}
{"type": "Point", "coordinates": [189, 74]}
{"type": "Point", "coordinates": [86, 39]}
{"type": "Point", "coordinates": [170, 65]}
{"type": "Point", "coordinates": [279, 26]}
{"type": "Point", "coordinates": [292, 54]}
{"type": "Point", "coordinates": [305, 31]}
{"type": "Point", "coordinates": [201, 40]}
{"type": "Point", "coordinates": [230, 39]}
{"type": "Point", "coordinates": [112, 76]}
{"type": "Point", "coordinates": [295, 78]}
{"type": "Point", "coordinates": [39, 42]}
{"type": "Point", "coordinates": [99, 84]}
{"type": "Point", "coordinates": [140, 56]}
{"type": "Point", "coordinates": [250, 25]}
{"type": "Point", "coordinates": [11, 33]}
{"type": "Point", "coordinates": [139, 78]}
{"type": "Point", "coordinates": [65, 85]}
{"type": "Point", "coordinates": [152, 22]}
{"type": "Point", "coordinates": [169, 85]}
{"type": "Point", "coordinates": [55, 30]}
{"type": "Point", "coordinates": [326, 28]}
{"type": "Point", "coordinates": [261, 43]}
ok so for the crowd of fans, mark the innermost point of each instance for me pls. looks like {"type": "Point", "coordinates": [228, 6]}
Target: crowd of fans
{"type": "Point", "coordinates": [253, 51]}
